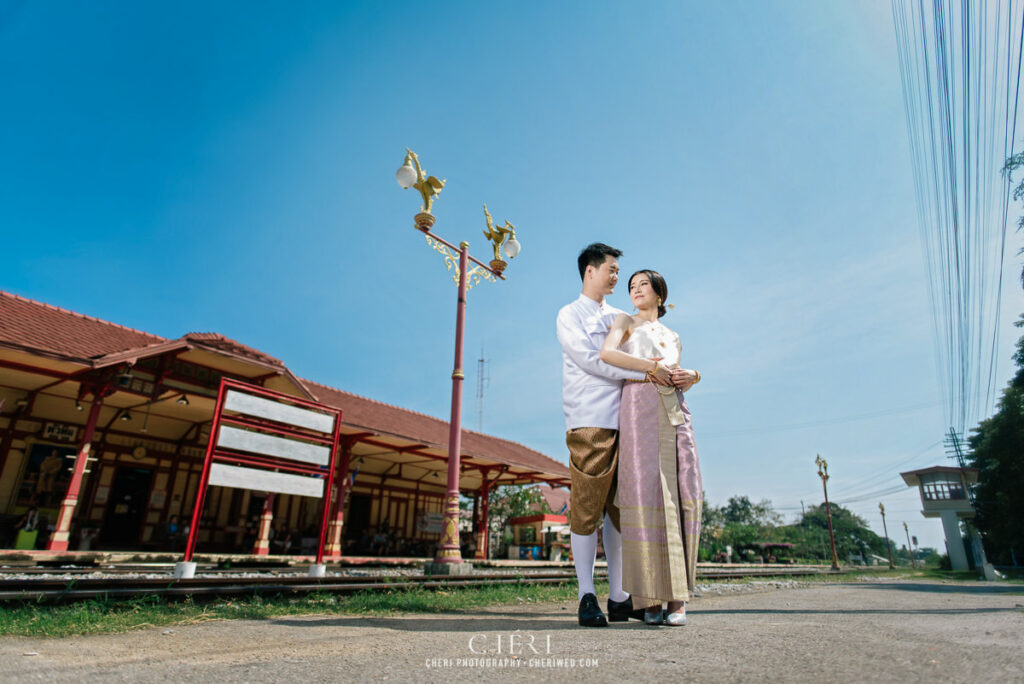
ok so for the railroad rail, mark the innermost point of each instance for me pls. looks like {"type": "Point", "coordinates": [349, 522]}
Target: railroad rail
{"type": "Point", "coordinates": [79, 587]}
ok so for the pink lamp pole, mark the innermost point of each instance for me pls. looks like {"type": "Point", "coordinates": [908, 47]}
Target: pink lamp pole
{"type": "Point", "coordinates": [450, 550]}
{"type": "Point", "coordinates": [411, 175]}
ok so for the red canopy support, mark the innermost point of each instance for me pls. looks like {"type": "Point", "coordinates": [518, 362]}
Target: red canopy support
{"type": "Point", "coordinates": [61, 534]}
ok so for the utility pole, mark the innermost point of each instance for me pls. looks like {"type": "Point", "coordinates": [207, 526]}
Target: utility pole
{"type": "Point", "coordinates": [888, 546]}
{"type": "Point", "coordinates": [823, 474]}
{"type": "Point", "coordinates": [913, 561]}
{"type": "Point", "coordinates": [956, 452]}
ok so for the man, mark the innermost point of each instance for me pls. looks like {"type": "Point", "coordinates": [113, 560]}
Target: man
{"type": "Point", "coordinates": [591, 391]}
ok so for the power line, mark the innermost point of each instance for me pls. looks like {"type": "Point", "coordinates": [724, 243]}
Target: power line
{"type": "Point", "coordinates": [956, 75]}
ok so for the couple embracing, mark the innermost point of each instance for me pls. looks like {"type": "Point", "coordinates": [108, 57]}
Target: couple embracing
{"type": "Point", "coordinates": [633, 461]}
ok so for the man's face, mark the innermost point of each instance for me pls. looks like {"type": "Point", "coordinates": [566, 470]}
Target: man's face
{"type": "Point", "coordinates": [606, 276]}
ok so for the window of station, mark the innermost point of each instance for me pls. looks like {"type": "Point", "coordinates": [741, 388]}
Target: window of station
{"type": "Point", "coordinates": [942, 488]}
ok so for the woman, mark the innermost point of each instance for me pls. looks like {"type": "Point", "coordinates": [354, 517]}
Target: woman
{"type": "Point", "coordinates": [659, 485]}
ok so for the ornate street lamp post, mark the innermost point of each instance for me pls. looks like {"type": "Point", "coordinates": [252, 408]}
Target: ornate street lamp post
{"type": "Point", "coordinates": [823, 474]}
{"type": "Point", "coordinates": [411, 175]}
{"type": "Point", "coordinates": [885, 530]}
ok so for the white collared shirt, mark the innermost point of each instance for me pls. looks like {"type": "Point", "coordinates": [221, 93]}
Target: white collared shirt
{"type": "Point", "coordinates": [591, 388]}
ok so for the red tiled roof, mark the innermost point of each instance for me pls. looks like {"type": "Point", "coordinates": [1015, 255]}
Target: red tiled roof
{"type": "Point", "coordinates": [218, 341]}
{"type": "Point", "coordinates": [31, 325]}
{"type": "Point", "coordinates": [378, 416]}
{"type": "Point", "coordinates": [35, 326]}
{"type": "Point", "coordinates": [42, 328]}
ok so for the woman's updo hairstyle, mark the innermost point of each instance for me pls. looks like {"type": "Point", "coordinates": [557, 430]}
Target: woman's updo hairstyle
{"type": "Point", "coordinates": [657, 284]}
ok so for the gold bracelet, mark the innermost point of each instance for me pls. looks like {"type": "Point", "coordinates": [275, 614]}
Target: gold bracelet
{"type": "Point", "coordinates": [698, 377]}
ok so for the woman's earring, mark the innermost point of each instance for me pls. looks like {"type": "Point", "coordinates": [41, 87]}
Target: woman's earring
{"type": "Point", "coordinates": [659, 301]}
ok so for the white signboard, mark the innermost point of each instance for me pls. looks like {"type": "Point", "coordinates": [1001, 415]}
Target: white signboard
{"type": "Point", "coordinates": [430, 523]}
{"type": "Point", "coordinates": [265, 480]}
{"type": "Point", "coordinates": [269, 445]}
{"type": "Point", "coordinates": [282, 413]}
{"type": "Point", "coordinates": [60, 432]}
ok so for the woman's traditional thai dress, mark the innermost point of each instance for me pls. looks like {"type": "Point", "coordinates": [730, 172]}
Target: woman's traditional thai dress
{"type": "Point", "coordinates": [659, 487]}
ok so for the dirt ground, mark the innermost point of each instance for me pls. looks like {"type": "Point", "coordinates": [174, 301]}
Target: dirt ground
{"type": "Point", "coordinates": [915, 631]}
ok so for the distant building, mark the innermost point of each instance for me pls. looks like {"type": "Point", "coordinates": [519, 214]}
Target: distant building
{"type": "Point", "coordinates": [943, 492]}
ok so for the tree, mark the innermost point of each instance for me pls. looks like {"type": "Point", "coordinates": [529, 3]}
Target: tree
{"type": "Point", "coordinates": [711, 527]}
{"type": "Point", "coordinates": [1012, 164]}
{"type": "Point", "coordinates": [997, 451]}
{"type": "Point", "coordinates": [853, 536]}
{"type": "Point", "coordinates": [745, 523]}
{"type": "Point", "coordinates": [740, 510]}
{"type": "Point", "coordinates": [513, 501]}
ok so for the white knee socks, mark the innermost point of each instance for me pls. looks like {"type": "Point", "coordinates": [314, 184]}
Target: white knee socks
{"type": "Point", "coordinates": [613, 552]}
{"type": "Point", "coordinates": [584, 553]}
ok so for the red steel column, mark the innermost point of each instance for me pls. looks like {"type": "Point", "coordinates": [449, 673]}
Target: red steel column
{"type": "Point", "coordinates": [449, 551]}
{"type": "Point", "coordinates": [333, 547]}
{"type": "Point", "coordinates": [197, 510]}
{"type": "Point", "coordinates": [328, 488]}
{"type": "Point", "coordinates": [262, 547]}
{"type": "Point", "coordinates": [484, 521]}
{"type": "Point", "coordinates": [59, 539]}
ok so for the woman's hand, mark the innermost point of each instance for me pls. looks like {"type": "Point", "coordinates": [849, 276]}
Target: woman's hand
{"type": "Point", "coordinates": [683, 378]}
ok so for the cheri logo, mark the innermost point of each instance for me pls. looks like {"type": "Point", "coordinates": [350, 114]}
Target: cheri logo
{"type": "Point", "coordinates": [515, 643]}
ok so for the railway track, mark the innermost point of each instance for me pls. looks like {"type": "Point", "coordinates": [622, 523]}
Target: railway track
{"type": "Point", "coordinates": [80, 587]}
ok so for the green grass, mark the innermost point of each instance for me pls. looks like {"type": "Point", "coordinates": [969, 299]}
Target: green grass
{"type": "Point", "coordinates": [110, 617]}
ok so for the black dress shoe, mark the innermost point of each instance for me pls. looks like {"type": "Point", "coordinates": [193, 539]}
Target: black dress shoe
{"type": "Point", "coordinates": [589, 613]}
{"type": "Point", "coordinates": [621, 611]}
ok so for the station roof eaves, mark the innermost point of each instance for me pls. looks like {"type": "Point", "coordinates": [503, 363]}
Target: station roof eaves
{"type": "Point", "coordinates": [29, 325]}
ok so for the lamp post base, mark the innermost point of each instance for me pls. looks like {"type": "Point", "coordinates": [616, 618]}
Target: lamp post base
{"type": "Point", "coordinates": [435, 568]}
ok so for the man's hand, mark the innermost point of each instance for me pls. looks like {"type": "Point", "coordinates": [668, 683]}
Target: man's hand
{"type": "Point", "coordinates": [662, 375]}
{"type": "Point", "coordinates": [683, 379]}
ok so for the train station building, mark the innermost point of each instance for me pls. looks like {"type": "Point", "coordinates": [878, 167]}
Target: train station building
{"type": "Point", "coordinates": [140, 406]}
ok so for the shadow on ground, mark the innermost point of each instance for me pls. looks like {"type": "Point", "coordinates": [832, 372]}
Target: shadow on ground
{"type": "Point", "coordinates": [937, 588]}
{"type": "Point", "coordinates": [490, 623]}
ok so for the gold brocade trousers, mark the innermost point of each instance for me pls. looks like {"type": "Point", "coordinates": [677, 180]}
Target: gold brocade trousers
{"type": "Point", "coordinates": [593, 460]}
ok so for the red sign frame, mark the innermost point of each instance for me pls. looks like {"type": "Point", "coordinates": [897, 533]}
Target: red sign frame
{"type": "Point", "coordinates": [277, 429]}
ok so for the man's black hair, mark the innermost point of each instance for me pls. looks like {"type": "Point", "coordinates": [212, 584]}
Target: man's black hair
{"type": "Point", "coordinates": [594, 255]}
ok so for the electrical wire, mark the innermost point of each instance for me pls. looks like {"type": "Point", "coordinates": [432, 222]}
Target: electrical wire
{"type": "Point", "coordinates": [956, 75]}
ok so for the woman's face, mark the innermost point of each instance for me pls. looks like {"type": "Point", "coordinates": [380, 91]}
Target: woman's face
{"type": "Point", "coordinates": [642, 293]}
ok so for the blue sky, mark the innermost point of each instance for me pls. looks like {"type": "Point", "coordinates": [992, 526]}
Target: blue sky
{"type": "Point", "coordinates": [229, 167]}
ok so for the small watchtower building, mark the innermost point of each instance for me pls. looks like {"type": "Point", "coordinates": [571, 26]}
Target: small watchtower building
{"type": "Point", "coordinates": [943, 492]}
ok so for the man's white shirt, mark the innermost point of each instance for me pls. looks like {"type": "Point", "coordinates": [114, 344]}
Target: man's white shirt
{"type": "Point", "coordinates": [591, 388]}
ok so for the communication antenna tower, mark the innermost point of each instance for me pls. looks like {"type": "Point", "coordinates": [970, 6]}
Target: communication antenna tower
{"type": "Point", "coordinates": [483, 380]}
